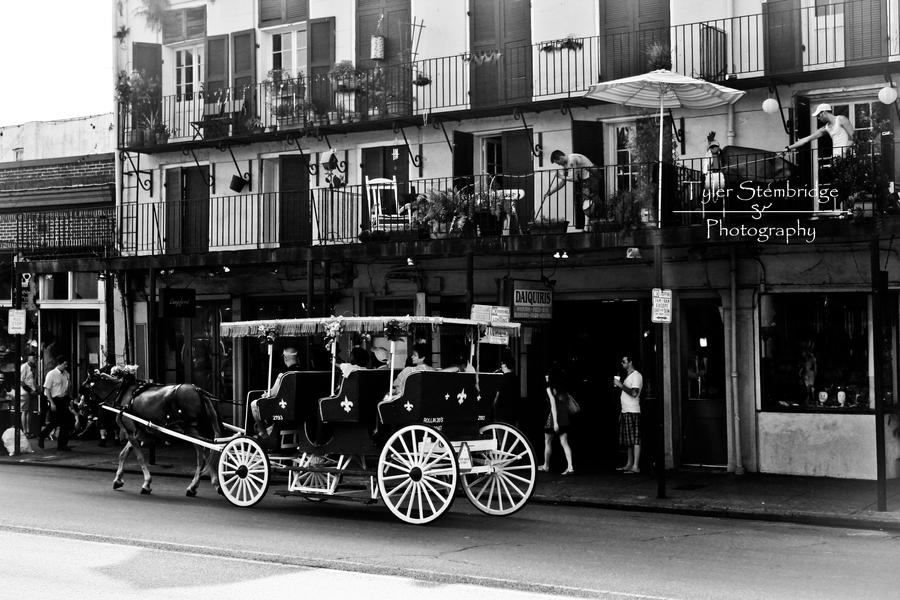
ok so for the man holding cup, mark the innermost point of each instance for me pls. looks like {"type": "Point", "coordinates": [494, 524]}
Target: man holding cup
{"type": "Point", "coordinates": [630, 419]}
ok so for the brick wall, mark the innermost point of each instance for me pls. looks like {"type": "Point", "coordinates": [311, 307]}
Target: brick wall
{"type": "Point", "coordinates": [42, 174]}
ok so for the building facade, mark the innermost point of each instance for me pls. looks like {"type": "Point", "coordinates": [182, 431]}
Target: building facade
{"type": "Point", "coordinates": [250, 133]}
{"type": "Point", "coordinates": [57, 207]}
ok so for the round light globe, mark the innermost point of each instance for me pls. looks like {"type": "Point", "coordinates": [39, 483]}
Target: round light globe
{"type": "Point", "coordinates": [770, 106]}
{"type": "Point", "coordinates": [887, 95]}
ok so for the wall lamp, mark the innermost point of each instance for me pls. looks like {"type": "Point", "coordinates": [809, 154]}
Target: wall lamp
{"type": "Point", "coordinates": [772, 105]}
{"type": "Point", "coordinates": [888, 94]}
{"type": "Point", "coordinates": [560, 255]}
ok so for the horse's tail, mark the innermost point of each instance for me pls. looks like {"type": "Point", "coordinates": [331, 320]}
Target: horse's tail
{"type": "Point", "coordinates": [209, 407]}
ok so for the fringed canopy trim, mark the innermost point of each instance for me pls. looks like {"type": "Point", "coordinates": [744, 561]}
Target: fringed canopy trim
{"type": "Point", "coordinates": [374, 325]}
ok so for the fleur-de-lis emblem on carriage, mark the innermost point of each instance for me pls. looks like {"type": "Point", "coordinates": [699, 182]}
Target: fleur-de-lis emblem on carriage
{"type": "Point", "coordinates": [461, 396]}
{"type": "Point", "coordinates": [408, 406]}
{"type": "Point", "coordinates": [282, 404]}
{"type": "Point", "coordinates": [347, 404]}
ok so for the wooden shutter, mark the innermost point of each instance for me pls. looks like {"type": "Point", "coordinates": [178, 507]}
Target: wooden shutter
{"type": "Point", "coordinates": [293, 185]}
{"type": "Point", "coordinates": [866, 32]}
{"type": "Point", "coordinates": [781, 27]}
{"type": "Point", "coordinates": [280, 12]}
{"type": "Point", "coordinates": [216, 65]}
{"type": "Point", "coordinates": [484, 26]}
{"type": "Point", "coordinates": [515, 44]}
{"type": "Point", "coordinates": [243, 60]}
{"type": "Point", "coordinates": [518, 160]}
{"type": "Point", "coordinates": [463, 159]}
{"type": "Point", "coordinates": [587, 139]}
{"type": "Point", "coordinates": [184, 24]}
{"type": "Point", "coordinates": [147, 60]}
{"type": "Point", "coordinates": [296, 10]}
{"type": "Point", "coordinates": [320, 57]}
{"type": "Point", "coordinates": [196, 210]}
{"type": "Point", "coordinates": [802, 116]}
{"type": "Point", "coordinates": [174, 209]}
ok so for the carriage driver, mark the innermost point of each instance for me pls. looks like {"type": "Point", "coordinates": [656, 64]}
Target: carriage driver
{"type": "Point", "coordinates": [290, 364]}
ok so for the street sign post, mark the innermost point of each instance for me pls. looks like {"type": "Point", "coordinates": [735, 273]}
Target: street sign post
{"type": "Point", "coordinates": [662, 306]}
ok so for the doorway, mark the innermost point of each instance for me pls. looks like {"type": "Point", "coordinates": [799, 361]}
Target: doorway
{"type": "Point", "coordinates": [704, 430]}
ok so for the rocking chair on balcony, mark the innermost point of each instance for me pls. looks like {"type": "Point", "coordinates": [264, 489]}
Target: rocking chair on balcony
{"type": "Point", "coordinates": [384, 209]}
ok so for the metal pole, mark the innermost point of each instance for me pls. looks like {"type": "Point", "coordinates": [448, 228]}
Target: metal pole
{"type": "Point", "coordinates": [878, 350]}
{"type": "Point", "coordinates": [17, 410]}
{"type": "Point", "coordinates": [151, 326]}
{"type": "Point", "coordinates": [310, 293]}
{"type": "Point", "coordinates": [660, 388]}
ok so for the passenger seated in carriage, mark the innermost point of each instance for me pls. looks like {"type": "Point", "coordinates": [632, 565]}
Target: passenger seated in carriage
{"type": "Point", "coordinates": [290, 364]}
{"type": "Point", "coordinates": [420, 357]}
{"type": "Point", "coordinates": [359, 359]}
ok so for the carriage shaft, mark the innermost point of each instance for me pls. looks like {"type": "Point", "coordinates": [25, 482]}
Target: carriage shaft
{"type": "Point", "coordinates": [165, 430]}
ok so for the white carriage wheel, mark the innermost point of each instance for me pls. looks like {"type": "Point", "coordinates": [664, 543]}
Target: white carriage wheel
{"type": "Point", "coordinates": [510, 483]}
{"type": "Point", "coordinates": [417, 474]}
{"type": "Point", "coordinates": [243, 471]}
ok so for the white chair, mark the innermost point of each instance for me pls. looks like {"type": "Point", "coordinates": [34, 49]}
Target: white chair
{"type": "Point", "coordinates": [380, 191]}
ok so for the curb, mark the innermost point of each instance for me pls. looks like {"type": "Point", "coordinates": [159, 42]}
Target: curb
{"type": "Point", "coordinates": [869, 522]}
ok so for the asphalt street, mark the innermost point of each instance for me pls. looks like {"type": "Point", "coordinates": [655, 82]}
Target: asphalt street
{"type": "Point", "coordinates": [547, 550]}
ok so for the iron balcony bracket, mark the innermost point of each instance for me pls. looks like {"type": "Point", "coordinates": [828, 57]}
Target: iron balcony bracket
{"type": "Point", "coordinates": [785, 122]}
{"type": "Point", "coordinates": [246, 176]}
{"type": "Point", "coordinates": [417, 159]}
{"type": "Point", "coordinates": [890, 81]}
{"type": "Point", "coordinates": [311, 166]}
{"type": "Point", "coordinates": [439, 122]}
{"type": "Point", "coordinates": [677, 132]}
{"type": "Point", "coordinates": [537, 151]}
{"type": "Point", "coordinates": [211, 182]}
{"type": "Point", "coordinates": [146, 183]}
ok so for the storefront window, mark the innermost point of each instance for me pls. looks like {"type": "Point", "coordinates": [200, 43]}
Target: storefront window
{"type": "Point", "coordinates": [815, 352]}
{"type": "Point", "coordinates": [85, 286]}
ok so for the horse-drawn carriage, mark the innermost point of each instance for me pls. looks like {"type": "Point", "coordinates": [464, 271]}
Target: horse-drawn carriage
{"type": "Point", "coordinates": [349, 437]}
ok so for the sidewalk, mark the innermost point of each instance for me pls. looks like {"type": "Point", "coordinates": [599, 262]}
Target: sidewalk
{"type": "Point", "coordinates": [810, 500]}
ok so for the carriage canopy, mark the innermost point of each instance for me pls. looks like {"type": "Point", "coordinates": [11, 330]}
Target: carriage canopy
{"type": "Point", "coordinates": [376, 325]}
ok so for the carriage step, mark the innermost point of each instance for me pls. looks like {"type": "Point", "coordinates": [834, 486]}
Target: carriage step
{"type": "Point", "coordinates": [354, 496]}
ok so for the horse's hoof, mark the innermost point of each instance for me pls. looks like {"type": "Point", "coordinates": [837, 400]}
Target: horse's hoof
{"type": "Point", "coordinates": [118, 484]}
{"type": "Point", "coordinates": [219, 491]}
{"type": "Point", "coordinates": [190, 493]}
{"type": "Point", "coordinates": [145, 491]}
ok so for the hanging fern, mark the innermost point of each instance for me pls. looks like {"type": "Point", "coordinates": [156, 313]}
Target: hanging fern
{"type": "Point", "coordinates": [154, 12]}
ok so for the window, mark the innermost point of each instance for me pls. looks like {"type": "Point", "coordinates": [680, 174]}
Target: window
{"type": "Point", "coordinates": [18, 154]}
{"type": "Point", "coordinates": [493, 156]}
{"type": "Point", "coordinates": [289, 49]}
{"type": "Point", "coordinates": [815, 351]}
{"type": "Point", "coordinates": [188, 72]}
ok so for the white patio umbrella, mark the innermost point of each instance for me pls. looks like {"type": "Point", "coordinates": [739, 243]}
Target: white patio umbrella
{"type": "Point", "coordinates": [664, 89]}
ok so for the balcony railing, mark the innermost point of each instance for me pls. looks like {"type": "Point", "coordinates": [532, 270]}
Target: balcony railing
{"type": "Point", "coordinates": [743, 186]}
{"type": "Point", "coordinates": [68, 232]}
{"type": "Point", "coordinates": [777, 42]}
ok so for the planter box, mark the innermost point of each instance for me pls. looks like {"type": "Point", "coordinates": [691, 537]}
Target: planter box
{"type": "Point", "coordinates": [548, 227]}
{"type": "Point", "coordinates": [399, 107]}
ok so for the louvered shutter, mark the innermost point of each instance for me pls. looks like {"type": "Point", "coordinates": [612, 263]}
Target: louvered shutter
{"type": "Point", "coordinates": [195, 23]}
{"type": "Point", "coordinates": [296, 10]}
{"type": "Point", "coordinates": [865, 30]}
{"type": "Point", "coordinates": [243, 59]}
{"type": "Point", "coordinates": [216, 65]}
{"type": "Point", "coordinates": [280, 12]}
{"type": "Point", "coordinates": [174, 210]}
{"type": "Point", "coordinates": [321, 57]}
{"type": "Point", "coordinates": [184, 24]}
{"type": "Point", "coordinates": [173, 26]}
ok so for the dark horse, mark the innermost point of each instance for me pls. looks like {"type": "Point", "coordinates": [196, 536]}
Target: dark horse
{"type": "Point", "coordinates": [182, 407]}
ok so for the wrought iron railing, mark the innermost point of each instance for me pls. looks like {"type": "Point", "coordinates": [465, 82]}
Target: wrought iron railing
{"type": "Point", "coordinates": [776, 42]}
{"type": "Point", "coordinates": [69, 232]}
{"type": "Point", "coordinates": [741, 185]}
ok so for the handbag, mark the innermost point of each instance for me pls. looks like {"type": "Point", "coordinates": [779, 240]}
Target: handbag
{"type": "Point", "coordinates": [574, 407]}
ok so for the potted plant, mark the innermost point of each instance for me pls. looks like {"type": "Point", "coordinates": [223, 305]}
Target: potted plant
{"type": "Point", "coordinates": [344, 75]}
{"type": "Point", "coordinates": [445, 212]}
{"type": "Point", "coordinates": [488, 213]}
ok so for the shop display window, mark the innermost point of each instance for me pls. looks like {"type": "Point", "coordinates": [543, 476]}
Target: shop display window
{"type": "Point", "coordinates": [815, 352]}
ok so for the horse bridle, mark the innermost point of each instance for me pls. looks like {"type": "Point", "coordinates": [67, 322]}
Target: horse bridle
{"type": "Point", "coordinates": [101, 399]}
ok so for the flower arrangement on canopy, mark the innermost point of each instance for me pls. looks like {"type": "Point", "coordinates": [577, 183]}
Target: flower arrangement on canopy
{"type": "Point", "coordinates": [333, 329]}
{"type": "Point", "coordinates": [394, 330]}
{"type": "Point", "coordinates": [266, 335]}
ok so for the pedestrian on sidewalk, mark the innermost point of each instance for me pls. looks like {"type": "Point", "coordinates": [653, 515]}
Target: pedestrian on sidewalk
{"type": "Point", "coordinates": [28, 378]}
{"type": "Point", "coordinates": [56, 387]}
{"type": "Point", "coordinates": [558, 421]}
{"type": "Point", "coordinates": [630, 419]}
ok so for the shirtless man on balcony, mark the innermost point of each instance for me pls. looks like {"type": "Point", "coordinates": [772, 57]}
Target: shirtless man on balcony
{"type": "Point", "coordinates": [578, 169]}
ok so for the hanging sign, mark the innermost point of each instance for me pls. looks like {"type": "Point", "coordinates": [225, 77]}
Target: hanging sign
{"type": "Point", "coordinates": [531, 300]}
{"type": "Point", "coordinates": [662, 306]}
{"type": "Point", "coordinates": [16, 321]}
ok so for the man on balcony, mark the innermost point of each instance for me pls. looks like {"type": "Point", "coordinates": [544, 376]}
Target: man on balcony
{"type": "Point", "coordinates": [838, 128]}
{"type": "Point", "coordinates": [578, 169]}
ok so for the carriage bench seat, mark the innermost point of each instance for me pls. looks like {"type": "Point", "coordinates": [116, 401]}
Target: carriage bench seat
{"type": "Point", "coordinates": [293, 398]}
{"type": "Point", "coordinates": [355, 402]}
{"type": "Point", "coordinates": [440, 399]}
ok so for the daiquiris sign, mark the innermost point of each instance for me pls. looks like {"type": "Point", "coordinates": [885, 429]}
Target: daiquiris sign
{"type": "Point", "coordinates": [531, 300]}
